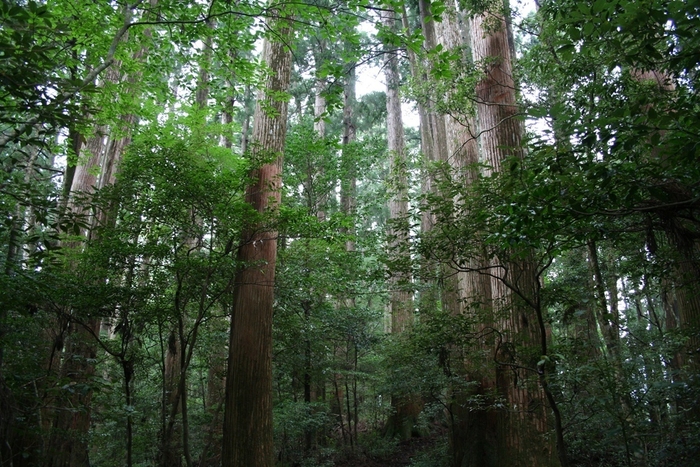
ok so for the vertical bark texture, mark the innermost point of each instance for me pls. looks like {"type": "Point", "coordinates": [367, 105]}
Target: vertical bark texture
{"type": "Point", "coordinates": [318, 197]}
{"type": "Point", "coordinates": [520, 429]}
{"type": "Point", "coordinates": [68, 443]}
{"type": "Point", "coordinates": [500, 131]}
{"type": "Point", "coordinates": [348, 185]}
{"type": "Point", "coordinates": [406, 407]}
{"type": "Point", "coordinates": [170, 446]}
{"type": "Point", "coordinates": [248, 412]}
{"type": "Point", "coordinates": [432, 125]}
{"type": "Point", "coordinates": [320, 54]}
{"type": "Point", "coordinates": [401, 315]}
{"type": "Point", "coordinates": [436, 122]}
{"type": "Point", "coordinates": [467, 291]}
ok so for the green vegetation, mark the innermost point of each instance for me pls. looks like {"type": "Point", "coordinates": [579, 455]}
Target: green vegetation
{"type": "Point", "coordinates": [518, 284]}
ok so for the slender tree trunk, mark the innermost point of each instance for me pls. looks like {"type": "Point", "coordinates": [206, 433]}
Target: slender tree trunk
{"type": "Point", "coordinates": [185, 414]}
{"type": "Point", "coordinates": [348, 410]}
{"type": "Point", "coordinates": [317, 198]}
{"type": "Point", "coordinates": [245, 131]}
{"type": "Point", "coordinates": [425, 136]}
{"type": "Point", "coordinates": [607, 316]}
{"type": "Point", "coordinates": [338, 393]}
{"type": "Point", "coordinates": [348, 186]}
{"type": "Point", "coordinates": [170, 442]}
{"type": "Point", "coordinates": [406, 406]}
{"type": "Point", "coordinates": [319, 54]}
{"type": "Point", "coordinates": [248, 412]}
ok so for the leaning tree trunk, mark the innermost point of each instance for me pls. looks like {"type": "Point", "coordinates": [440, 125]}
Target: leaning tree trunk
{"type": "Point", "coordinates": [248, 412]}
{"type": "Point", "coordinates": [68, 444]}
{"type": "Point", "coordinates": [683, 237]}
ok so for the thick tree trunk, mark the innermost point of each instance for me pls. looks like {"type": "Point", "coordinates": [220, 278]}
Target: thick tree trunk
{"type": "Point", "coordinates": [69, 440]}
{"type": "Point", "coordinates": [521, 428]}
{"type": "Point", "coordinates": [685, 280]}
{"type": "Point", "coordinates": [68, 444]}
{"type": "Point", "coordinates": [71, 422]}
{"type": "Point", "coordinates": [467, 291]}
{"type": "Point", "coordinates": [401, 313]}
{"type": "Point", "coordinates": [248, 412]}
{"type": "Point", "coordinates": [435, 147]}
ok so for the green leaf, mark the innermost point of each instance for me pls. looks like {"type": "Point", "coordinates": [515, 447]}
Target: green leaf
{"type": "Point", "coordinates": [600, 5]}
{"type": "Point", "coordinates": [566, 51]}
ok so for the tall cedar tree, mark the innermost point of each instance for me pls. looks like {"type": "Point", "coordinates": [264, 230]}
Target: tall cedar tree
{"type": "Point", "coordinates": [248, 413]}
{"type": "Point", "coordinates": [518, 430]}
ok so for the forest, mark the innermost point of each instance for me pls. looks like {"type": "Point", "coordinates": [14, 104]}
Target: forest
{"type": "Point", "coordinates": [224, 243]}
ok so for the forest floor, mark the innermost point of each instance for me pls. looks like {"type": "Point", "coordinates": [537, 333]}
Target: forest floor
{"type": "Point", "coordinates": [413, 452]}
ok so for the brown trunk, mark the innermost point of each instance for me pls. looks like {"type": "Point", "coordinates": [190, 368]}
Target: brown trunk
{"type": "Point", "coordinates": [69, 439]}
{"type": "Point", "coordinates": [436, 144]}
{"type": "Point", "coordinates": [202, 94]}
{"type": "Point", "coordinates": [432, 125]}
{"type": "Point", "coordinates": [681, 293]}
{"type": "Point", "coordinates": [71, 422]}
{"type": "Point", "coordinates": [68, 444]}
{"type": "Point", "coordinates": [216, 378]}
{"type": "Point", "coordinates": [406, 407]}
{"type": "Point", "coordinates": [171, 447]}
{"type": "Point", "coordinates": [467, 290]}
{"type": "Point", "coordinates": [248, 411]}
{"type": "Point", "coordinates": [520, 429]}
{"type": "Point", "coordinates": [684, 301]}
{"type": "Point", "coordinates": [401, 313]}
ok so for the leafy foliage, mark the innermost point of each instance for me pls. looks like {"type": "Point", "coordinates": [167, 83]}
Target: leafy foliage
{"type": "Point", "coordinates": [131, 283]}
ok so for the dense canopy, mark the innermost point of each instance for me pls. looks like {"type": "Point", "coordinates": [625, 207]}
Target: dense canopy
{"type": "Point", "coordinates": [222, 243]}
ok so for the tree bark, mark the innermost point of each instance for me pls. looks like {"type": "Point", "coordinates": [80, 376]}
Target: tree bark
{"type": "Point", "coordinates": [248, 411]}
{"type": "Point", "coordinates": [69, 441]}
{"type": "Point", "coordinates": [521, 428]}
{"type": "Point", "coordinates": [406, 406]}
{"type": "Point", "coordinates": [467, 291]}
{"type": "Point", "coordinates": [68, 444]}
